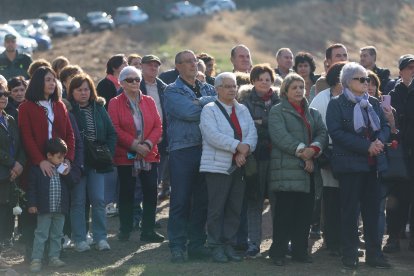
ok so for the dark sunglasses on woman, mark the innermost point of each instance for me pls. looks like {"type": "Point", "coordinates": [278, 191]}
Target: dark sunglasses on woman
{"type": "Point", "coordinates": [131, 80]}
{"type": "Point", "coordinates": [363, 79]}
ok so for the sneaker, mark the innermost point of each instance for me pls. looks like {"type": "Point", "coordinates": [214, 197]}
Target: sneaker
{"type": "Point", "coordinates": [253, 252]}
{"type": "Point", "coordinates": [89, 239]}
{"type": "Point", "coordinates": [102, 245]}
{"type": "Point", "coordinates": [66, 242]}
{"type": "Point", "coordinates": [36, 265]}
{"type": "Point", "coordinates": [56, 262]}
{"type": "Point", "coordinates": [111, 210]}
{"type": "Point", "coordinates": [82, 247]}
{"type": "Point", "coordinates": [218, 255]}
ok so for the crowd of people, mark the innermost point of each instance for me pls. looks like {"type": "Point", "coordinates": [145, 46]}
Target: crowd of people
{"type": "Point", "coordinates": [219, 146]}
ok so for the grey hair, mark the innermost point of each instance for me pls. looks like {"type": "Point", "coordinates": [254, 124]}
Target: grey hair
{"type": "Point", "coordinates": [3, 81]}
{"type": "Point", "coordinates": [225, 75]}
{"type": "Point", "coordinates": [179, 54]}
{"type": "Point", "coordinates": [288, 80]}
{"type": "Point", "coordinates": [348, 72]}
{"type": "Point", "coordinates": [127, 71]}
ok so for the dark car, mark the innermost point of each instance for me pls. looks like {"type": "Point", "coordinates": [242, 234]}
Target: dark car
{"type": "Point", "coordinates": [97, 21]}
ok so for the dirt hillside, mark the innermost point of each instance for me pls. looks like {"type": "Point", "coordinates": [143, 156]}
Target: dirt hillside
{"type": "Point", "coordinates": [308, 25]}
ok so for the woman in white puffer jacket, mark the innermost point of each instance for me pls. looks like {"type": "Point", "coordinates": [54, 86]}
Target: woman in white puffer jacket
{"type": "Point", "coordinates": [227, 141]}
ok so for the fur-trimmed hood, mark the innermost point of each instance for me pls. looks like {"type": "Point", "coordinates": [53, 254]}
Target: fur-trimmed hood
{"type": "Point", "coordinates": [246, 90]}
{"type": "Point", "coordinates": [69, 107]}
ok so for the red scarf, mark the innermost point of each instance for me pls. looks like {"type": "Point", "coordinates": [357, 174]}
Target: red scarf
{"type": "Point", "coordinates": [268, 95]}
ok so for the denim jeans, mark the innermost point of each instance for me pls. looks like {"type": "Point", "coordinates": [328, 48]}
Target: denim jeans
{"type": "Point", "coordinates": [188, 200]}
{"type": "Point", "coordinates": [49, 226]}
{"type": "Point", "coordinates": [111, 187]}
{"type": "Point", "coordinates": [94, 184]}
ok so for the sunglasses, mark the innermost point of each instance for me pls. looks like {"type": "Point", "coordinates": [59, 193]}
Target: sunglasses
{"type": "Point", "coordinates": [131, 80]}
{"type": "Point", "coordinates": [363, 79]}
{"type": "Point", "coordinates": [5, 94]}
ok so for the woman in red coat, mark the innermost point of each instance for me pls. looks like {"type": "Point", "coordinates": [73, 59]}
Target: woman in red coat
{"type": "Point", "coordinates": [138, 126]}
{"type": "Point", "coordinates": [41, 117]}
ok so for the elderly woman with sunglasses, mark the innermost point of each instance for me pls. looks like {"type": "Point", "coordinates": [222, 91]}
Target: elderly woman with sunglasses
{"type": "Point", "coordinates": [138, 125]}
{"type": "Point", "coordinates": [358, 129]}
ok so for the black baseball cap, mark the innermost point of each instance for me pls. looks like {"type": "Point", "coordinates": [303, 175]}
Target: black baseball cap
{"type": "Point", "coordinates": [9, 37]}
{"type": "Point", "coordinates": [404, 61]}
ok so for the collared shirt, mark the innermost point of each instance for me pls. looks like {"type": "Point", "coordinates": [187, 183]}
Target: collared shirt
{"type": "Point", "coordinates": [152, 90]}
{"type": "Point", "coordinates": [55, 193]}
{"type": "Point", "coordinates": [195, 88]}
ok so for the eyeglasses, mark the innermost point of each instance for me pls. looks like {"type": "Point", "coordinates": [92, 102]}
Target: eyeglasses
{"type": "Point", "coordinates": [5, 94]}
{"type": "Point", "coordinates": [131, 80]}
{"type": "Point", "coordinates": [190, 61]}
{"type": "Point", "coordinates": [363, 79]}
{"type": "Point", "coordinates": [229, 86]}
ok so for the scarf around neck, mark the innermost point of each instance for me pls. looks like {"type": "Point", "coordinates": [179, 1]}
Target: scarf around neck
{"type": "Point", "coordinates": [363, 119]}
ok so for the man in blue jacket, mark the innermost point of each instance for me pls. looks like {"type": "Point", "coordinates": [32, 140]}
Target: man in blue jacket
{"type": "Point", "coordinates": [183, 102]}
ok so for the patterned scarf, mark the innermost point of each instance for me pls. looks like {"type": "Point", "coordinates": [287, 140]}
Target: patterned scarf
{"type": "Point", "coordinates": [360, 116]}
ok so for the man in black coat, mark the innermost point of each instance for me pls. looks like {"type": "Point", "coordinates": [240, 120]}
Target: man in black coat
{"type": "Point", "coordinates": [368, 57]}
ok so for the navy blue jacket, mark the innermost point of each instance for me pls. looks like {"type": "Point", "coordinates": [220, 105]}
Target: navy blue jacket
{"type": "Point", "coordinates": [38, 193]}
{"type": "Point", "coordinates": [169, 76]}
{"type": "Point", "coordinates": [162, 146]}
{"type": "Point", "coordinates": [350, 149]}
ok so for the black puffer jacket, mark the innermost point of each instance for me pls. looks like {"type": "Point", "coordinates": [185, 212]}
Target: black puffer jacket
{"type": "Point", "coordinates": [259, 111]}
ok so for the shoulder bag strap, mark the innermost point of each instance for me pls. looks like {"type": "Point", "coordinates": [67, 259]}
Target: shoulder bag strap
{"type": "Point", "coordinates": [228, 119]}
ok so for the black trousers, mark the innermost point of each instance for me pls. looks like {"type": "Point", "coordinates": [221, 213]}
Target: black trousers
{"type": "Point", "coordinates": [359, 192]}
{"type": "Point", "coordinates": [398, 204]}
{"type": "Point", "coordinates": [6, 221]}
{"type": "Point", "coordinates": [332, 218]}
{"type": "Point", "coordinates": [126, 198]}
{"type": "Point", "coordinates": [293, 216]}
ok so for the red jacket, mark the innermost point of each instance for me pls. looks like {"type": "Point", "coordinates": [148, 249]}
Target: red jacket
{"type": "Point", "coordinates": [122, 119]}
{"type": "Point", "coordinates": [33, 125]}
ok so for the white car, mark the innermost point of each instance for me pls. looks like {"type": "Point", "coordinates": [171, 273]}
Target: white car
{"type": "Point", "coordinates": [181, 9]}
{"type": "Point", "coordinates": [218, 5]}
{"type": "Point", "coordinates": [24, 44]}
{"type": "Point", "coordinates": [61, 24]}
{"type": "Point", "coordinates": [129, 16]}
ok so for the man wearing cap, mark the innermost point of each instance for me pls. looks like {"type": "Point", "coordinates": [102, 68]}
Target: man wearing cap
{"type": "Point", "coordinates": [12, 63]}
{"type": "Point", "coordinates": [402, 99]}
{"type": "Point", "coordinates": [154, 87]}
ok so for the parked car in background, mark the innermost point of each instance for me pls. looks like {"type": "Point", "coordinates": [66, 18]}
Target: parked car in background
{"type": "Point", "coordinates": [26, 29]}
{"type": "Point", "coordinates": [97, 21]}
{"type": "Point", "coordinates": [24, 44]}
{"type": "Point", "coordinates": [181, 9]}
{"type": "Point", "coordinates": [129, 16]}
{"type": "Point", "coordinates": [39, 25]}
{"type": "Point", "coordinates": [220, 5]}
{"type": "Point", "coordinates": [61, 24]}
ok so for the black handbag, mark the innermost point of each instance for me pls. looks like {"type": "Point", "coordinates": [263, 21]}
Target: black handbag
{"type": "Point", "coordinates": [397, 164]}
{"type": "Point", "coordinates": [97, 155]}
{"type": "Point", "coordinates": [324, 160]}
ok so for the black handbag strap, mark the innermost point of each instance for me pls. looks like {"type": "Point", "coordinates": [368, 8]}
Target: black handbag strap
{"type": "Point", "coordinates": [221, 107]}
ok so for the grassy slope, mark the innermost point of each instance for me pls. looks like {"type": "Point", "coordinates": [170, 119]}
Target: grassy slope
{"type": "Point", "coordinates": [309, 26]}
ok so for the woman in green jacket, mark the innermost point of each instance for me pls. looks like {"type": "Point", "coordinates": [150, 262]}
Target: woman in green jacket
{"type": "Point", "coordinates": [298, 136]}
{"type": "Point", "coordinates": [95, 126]}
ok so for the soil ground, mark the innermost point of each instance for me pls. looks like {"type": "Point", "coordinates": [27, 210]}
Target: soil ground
{"type": "Point", "coordinates": [137, 258]}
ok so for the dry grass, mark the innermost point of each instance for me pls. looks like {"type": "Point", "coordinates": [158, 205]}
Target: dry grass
{"type": "Point", "coordinates": [307, 25]}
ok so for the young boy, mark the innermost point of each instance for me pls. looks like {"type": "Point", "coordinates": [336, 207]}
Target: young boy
{"type": "Point", "coordinates": [48, 198]}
